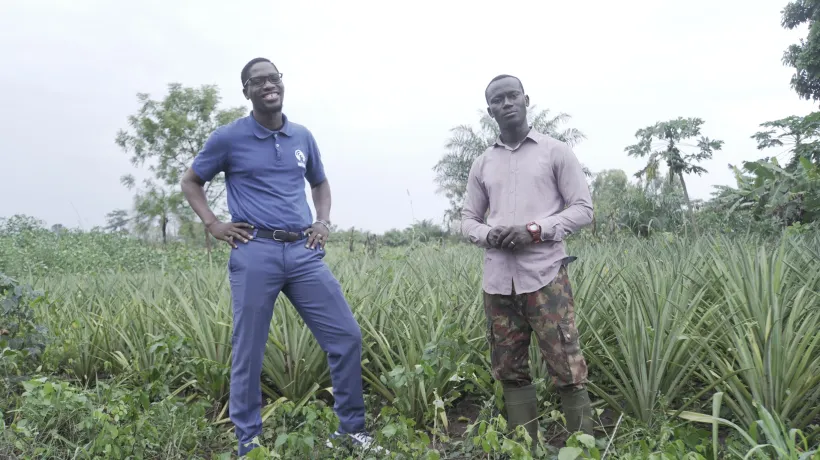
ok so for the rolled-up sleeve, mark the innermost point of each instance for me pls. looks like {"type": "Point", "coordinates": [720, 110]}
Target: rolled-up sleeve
{"type": "Point", "coordinates": [574, 190]}
{"type": "Point", "coordinates": [476, 203]}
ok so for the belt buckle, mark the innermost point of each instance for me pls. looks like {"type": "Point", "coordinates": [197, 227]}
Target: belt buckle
{"type": "Point", "coordinates": [279, 232]}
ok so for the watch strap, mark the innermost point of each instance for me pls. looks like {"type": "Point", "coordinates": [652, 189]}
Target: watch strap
{"type": "Point", "coordinates": [536, 234]}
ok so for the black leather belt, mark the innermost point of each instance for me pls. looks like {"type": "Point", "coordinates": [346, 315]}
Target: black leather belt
{"type": "Point", "coordinates": [279, 235]}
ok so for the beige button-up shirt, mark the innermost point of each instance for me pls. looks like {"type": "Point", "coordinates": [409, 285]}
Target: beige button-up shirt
{"type": "Point", "coordinates": [540, 180]}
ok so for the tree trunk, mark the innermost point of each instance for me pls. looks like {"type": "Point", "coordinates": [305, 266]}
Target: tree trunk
{"type": "Point", "coordinates": [164, 225]}
{"type": "Point", "coordinates": [688, 204]}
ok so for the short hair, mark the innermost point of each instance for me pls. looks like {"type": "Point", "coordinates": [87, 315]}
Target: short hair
{"type": "Point", "coordinates": [247, 69]}
{"type": "Point", "coordinates": [499, 77]}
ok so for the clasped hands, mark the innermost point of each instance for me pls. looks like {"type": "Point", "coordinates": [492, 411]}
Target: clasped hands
{"type": "Point", "coordinates": [509, 237]}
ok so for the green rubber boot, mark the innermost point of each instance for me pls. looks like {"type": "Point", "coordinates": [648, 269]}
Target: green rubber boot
{"type": "Point", "coordinates": [577, 410]}
{"type": "Point", "coordinates": [522, 409]}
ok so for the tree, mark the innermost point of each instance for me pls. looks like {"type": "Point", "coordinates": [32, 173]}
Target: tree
{"type": "Point", "coordinates": [116, 221]}
{"type": "Point", "coordinates": [799, 135]}
{"type": "Point", "coordinates": [353, 236]}
{"type": "Point", "coordinates": [657, 205]}
{"type": "Point", "coordinates": [155, 207]}
{"type": "Point", "coordinates": [785, 196]}
{"type": "Point", "coordinates": [609, 187]}
{"type": "Point", "coordinates": [466, 144]}
{"type": "Point", "coordinates": [767, 195]}
{"type": "Point", "coordinates": [805, 57]}
{"type": "Point", "coordinates": [168, 134]}
{"type": "Point", "coordinates": [662, 142]}
{"type": "Point", "coordinates": [425, 231]}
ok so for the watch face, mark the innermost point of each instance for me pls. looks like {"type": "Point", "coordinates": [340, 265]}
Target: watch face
{"type": "Point", "coordinates": [533, 227]}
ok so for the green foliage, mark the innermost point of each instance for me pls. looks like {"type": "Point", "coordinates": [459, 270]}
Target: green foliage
{"type": "Point", "coordinates": [579, 445]}
{"type": "Point", "coordinates": [662, 143]}
{"type": "Point", "coordinates": [420, 232]}
{"type": "Point", "coordinates": [767, 436]}
{"type": "Point", "coordinates": [770, 354]}
{"type": "Point", "coordinates": [167, 135]}
{"type": "Point", "coordinates": [665, 322]}
{"type": "Point", "coordinates": [117, 221]}
{"type": "Point", "coordinates": [768, 197]}
{"type": "Point", "coordinates": [126, 351]}
{"type": "Point", "coordinates": [56, 419]}
{"type": "Point", "coordinates": [19, 331]}
{"type": "Point", "coordinates": [658, 328]}
{"type": "Point", "coordinates": [773, 197]}
{"type": "Point", "coordinates": [620, 205]}
{"type": "Point", "coordinates": [804, 57]}
{"type": "Point", "coordinates": [783, 197]}
{"type": "Point", "coordinates": [28, 249]}
{"type": "Point", "coordinates": [173, 131]}
{"type": "Point", "coordinates": [801, 136]}
{"type": "Point", "coordinates": [23, 339]}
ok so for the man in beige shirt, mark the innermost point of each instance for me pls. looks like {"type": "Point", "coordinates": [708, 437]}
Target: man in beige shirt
{"type": "Point", "coordinates": [536, 193]}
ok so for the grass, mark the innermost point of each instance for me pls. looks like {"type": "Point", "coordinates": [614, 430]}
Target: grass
{"type": "Point", "coordinates": [666, 325]}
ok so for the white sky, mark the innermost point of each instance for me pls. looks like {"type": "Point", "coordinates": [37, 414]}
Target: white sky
{"type": "Point", "coordinates": [380, 86]}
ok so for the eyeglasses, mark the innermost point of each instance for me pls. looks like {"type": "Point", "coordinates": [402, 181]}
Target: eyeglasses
{"type": "Point", "coordinates": [259, 81]}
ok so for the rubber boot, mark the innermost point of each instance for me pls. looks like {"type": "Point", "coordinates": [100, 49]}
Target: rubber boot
{"type": "Point", "coordinates": [577, 410]}
{"type": "Point", "coordinates": [522, 409]}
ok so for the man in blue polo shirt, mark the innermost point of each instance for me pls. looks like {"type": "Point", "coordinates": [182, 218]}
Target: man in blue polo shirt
{"type": "Point", "coordinates": [277, 248]}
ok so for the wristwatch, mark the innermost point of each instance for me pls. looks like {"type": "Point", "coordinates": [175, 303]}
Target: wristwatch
{"type": "Point", "coordinates": [535, 231]}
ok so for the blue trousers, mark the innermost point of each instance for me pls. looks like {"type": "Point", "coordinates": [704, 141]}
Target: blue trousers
{"type": "Point", "coordinates": [259, 271]}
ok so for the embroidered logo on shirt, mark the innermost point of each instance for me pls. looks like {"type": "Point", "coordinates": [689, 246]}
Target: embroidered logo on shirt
{"type": "Point", "coordinates": [300, 158]}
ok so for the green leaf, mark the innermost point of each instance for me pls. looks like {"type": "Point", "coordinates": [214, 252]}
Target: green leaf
{"type": "Point", "coordinates": [569, 453]}
{"type": "Point", "coordinates": [432, 455]}
{"type": "Point", "coordinates": [587, 440]}
{"type": "Point", "coordinates": [309, 441]}
{"type": "Point", "coordinates": [389, 430]}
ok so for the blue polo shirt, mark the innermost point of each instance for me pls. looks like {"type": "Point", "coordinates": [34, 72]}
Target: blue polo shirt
{"type": "Point", "coordinates": [265, 172]}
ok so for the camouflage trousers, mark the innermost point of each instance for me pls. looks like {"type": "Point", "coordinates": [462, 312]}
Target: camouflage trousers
{"type": "Point", "coordinates": [550, 313]}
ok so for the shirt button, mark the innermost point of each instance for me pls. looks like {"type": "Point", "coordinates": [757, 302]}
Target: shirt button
{"type": "Point", "coordinates": [277, 146]}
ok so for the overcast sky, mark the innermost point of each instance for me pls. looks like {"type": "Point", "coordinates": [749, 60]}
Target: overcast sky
{"type": "Point", "coordinates": [379, 86]}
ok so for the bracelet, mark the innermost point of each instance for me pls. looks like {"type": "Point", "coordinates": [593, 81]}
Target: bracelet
{"type": "Point", "coordinates": [326, 224]}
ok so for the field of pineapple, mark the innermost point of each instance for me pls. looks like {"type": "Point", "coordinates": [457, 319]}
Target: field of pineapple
{"type": "Point", "coordinates": [698, 349]}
